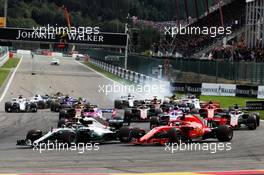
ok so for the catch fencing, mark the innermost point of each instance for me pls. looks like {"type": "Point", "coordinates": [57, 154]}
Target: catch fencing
{"type": "Point", "coordinates": [249, 73]}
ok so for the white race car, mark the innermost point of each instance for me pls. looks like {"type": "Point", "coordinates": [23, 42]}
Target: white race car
{"type": "Point", "coordinates": [20, 104]}
{"type": "Point", "coordinates": [43, 102]}
{"type": "Point", "coordinates": [86, 130]}
{"type": "Point", "coordinates": [238, 118]}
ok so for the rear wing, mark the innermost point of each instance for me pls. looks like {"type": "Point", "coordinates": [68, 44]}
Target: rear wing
{"type": "Point", "coordinates": [204, 104]}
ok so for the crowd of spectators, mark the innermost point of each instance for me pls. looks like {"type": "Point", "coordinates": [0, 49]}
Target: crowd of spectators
{"type": "Point", "coordinates": [237, 54]}
{"type": "Point", "coordinates": [187, 45]}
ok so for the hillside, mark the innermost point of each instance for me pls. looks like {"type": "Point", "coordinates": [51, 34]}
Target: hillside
{"type": "Point", "coordinates": [110, 15]}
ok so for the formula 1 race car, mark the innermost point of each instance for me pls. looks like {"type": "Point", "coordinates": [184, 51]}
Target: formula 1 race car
{"type": "Point", "coordinates": [189, 101]}
{"type": "Point", "coordinates": [62, 102]}
{"type": "Point", "coordinates": [125, 102]}
{"type": "Point", "coordinates": [75, 113]}
{"type": "Point", "coordinates": [166, 118]}
{"type": "Point", "coordinates": [141, 113]}
{"type": "Point", "coordinates": [43, 102]}
{"type": "Point", "coordinates": [20, 104]}
{"type": "Point", "coordinates": [85, 131]}
{"type": "Point", "coordinates": [188, 128]}
{"type": "Point", "coordinates": [238, 117]}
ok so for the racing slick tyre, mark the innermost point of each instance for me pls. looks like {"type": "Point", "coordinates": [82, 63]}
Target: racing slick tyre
{"type": "Point", "coordinates": [124, 135]}
{"type": "Point", "coordinates": [127, 116]}
{"type": "Point", "coordinates": [33, 107]}
{"type": "Point", "coordinates": [33, 135]}
{"type": "Point", "coordinates": [41, 105]}
{"type": "Point", "coordinates": [62, 114]}
{"type": "Point", "coordinates": [56, 107]}
{"type": "Point", "coordinates": [61, 122]}
{"type": "Point", "coordinates": [8, 107]}
{"type": "Point", "coordinates": [136, 133]}
{"type": "Point", "coordinates": [52, 106]}
{"type": "Point", "coordinates": [154, 122]}
{"type": "Point", "coordinates": [251, 123]}
{"type": "Point", "coordinates": [257, 120]}
{"type": "Point", "coordinates": [118, 104]}
{"type": "Point", "coordinates": [69, 137]}
{"type": "Point", "coordinates": [173, 136]}
{"type": "Point", "coordinates": [224, 133]}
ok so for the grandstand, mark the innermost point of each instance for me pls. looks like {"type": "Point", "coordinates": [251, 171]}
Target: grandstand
{"type": "Point", "coordinates": [242, 16]}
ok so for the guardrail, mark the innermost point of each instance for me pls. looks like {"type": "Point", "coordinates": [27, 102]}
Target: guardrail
{"type": "Point", "coordinates": [129, 75]}
{"type": "Point", "coordinates": [4, 57]}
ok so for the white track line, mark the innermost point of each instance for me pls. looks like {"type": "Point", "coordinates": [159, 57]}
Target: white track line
{"type": "Point", "coordinates": [10, 80]}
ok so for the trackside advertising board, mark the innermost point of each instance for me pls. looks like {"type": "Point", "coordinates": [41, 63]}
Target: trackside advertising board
{"type": "Point", "coordinates": [218, 89]}
{"type": "Point", "coordinates": [39, 35]}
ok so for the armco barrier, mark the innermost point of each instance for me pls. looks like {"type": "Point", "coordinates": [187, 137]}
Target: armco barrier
{"type": "Point", "coordinates": [129, 75]}
{"type": "Point", "coordinates": [4, 59]}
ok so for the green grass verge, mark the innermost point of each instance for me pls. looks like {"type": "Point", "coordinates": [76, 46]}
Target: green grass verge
{"type": "Point", "coordinates": [108, 74]}
{"type": "Point", "coordinates": [11, 63]}
{"type": "Point", "coordinates": [230, 101]}
{"type": "Point", "coordinates": [3, 75]}
{"type": "Point", "coordinates": [5, 69]}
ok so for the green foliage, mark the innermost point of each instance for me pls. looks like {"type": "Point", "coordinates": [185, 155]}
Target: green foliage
{"type": "Point", "coordinates": [111, 13]}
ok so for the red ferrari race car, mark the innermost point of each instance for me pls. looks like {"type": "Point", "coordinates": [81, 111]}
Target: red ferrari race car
{"type": "Point", "coordinates": [188, 128]}
{"type": "Point", "coordinates": [213, 115]}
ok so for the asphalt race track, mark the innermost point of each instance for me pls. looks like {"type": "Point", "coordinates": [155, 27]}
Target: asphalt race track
{"type": "Point", "coordinates": [70, 77]}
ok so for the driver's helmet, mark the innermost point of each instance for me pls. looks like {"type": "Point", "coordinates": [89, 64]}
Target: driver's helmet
{"type": "Point", "coordinates": [236, 106]}
{"type": "Point", "coordinates": [210, 102]}
{"type": "Point", "coordinates": [67, 98]}
{"type": "Point", "coordinates": [210, 106]}
{"type": "Point", "coordinates": [129, 97]}
{"type": "Point", "coordinates": [20, 97]}
{"type": "Point", "coordinates": [176, 108]}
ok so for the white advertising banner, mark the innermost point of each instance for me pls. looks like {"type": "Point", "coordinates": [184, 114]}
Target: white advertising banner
{"type": "Point", "coordinates": [218, 89]}
{"type": "Point", "coordinates": [261, 92]}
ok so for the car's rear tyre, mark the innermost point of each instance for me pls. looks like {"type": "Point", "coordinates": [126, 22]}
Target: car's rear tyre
{"type": "Point", "coordinates": [118, 104]}
{"type": "Point", "coordinates": [258, 120]}
{"type": "Point", "coordinates": [41, 105]}
{"type": "Point", "coordinates": [69, 138]}
{"type": "Point", "coordinates": [224, 133]}
{"type": "Point", "coordinates": [62, 114]}
{"type": "Point", "coordinates": [52, 106]}
{"type": "Point", "coordinates": [33, 107]}
{"type": "Point", "coordinates": [251, 123]}
{"type": "Point", "coordinates": [173, 136]}
{"type": "Point", "coordinates": [56, 107]}
{"type": "Point", "coordinates": [136, 133]}
{"type": "Point", "coordinates": [61, 122]}
{"type": "Point", "coordinates": [127, 116]}
{"type": "Point", "coordinates": [8, 107]}
{"type": "Point", "coordinates": [33, 135]}
{"type": "Point", "coordinates": [154, 122]}
{"type": "Point", "coordinates": [124, 135]}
